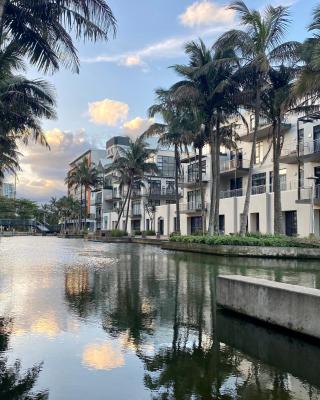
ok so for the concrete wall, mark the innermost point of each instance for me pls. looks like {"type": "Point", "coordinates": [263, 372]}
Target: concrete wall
{"type": "Point", "coordinates": [289, 306]}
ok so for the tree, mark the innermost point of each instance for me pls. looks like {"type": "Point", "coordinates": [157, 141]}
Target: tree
{"type": "Point", "coordinates": [257, 48]}
{"type": "Point", "coordinates": [23, 102]}
{"type": "Point", "coordinates": [44, 30]}
{"type": "Point", "coordinates": [133, 161]}
{"type": "Point", "coordinates": [208, 86]}
{"type": "Point", "coordinates": [83, 176]}
{"type": "Point", "coordinates": [175, 131]}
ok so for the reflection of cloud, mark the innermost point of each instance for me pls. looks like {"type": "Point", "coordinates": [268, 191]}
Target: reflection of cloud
{"type": "Point", "coordinates": [108, 112]}
{"type": "Point", "coordinates": [102, 356]}
{"type": "Point", "coordinates": [137, 126]}
{"type": "Point", "coordinates": [46, 326]}
{"type": "Point", "coordinates": [206, 13]}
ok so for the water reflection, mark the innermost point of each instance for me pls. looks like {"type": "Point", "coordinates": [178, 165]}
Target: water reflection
{"type": "Point", "coordinates": [142, 323]}
{"type": "Point", "coordinates": [15, 383]}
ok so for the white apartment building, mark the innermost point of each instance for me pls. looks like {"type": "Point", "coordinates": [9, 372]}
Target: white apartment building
{"type": "Point", "coordinates": [300, 183]}
{"type": "Point", "coordinates": [153, 207]}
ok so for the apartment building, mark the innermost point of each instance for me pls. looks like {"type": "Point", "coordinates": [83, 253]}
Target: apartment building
{"type": "Point", "coordinates": [300, 182]}
{"type": "Point", "coordinates": [7, 190]}
{"type": "Point", "coordinates": [156, 191]}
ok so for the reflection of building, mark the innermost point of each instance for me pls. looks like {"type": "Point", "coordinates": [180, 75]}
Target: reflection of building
{"type": "Point", "coordinates": [7, 190]}
{"type": "Point", "coordinates": [76, 282]}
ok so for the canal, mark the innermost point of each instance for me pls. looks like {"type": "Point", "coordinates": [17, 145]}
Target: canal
{"type": "Point", "coordinates": [85, 320]}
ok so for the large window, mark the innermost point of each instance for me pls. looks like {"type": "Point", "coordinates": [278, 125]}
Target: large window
{"type": "Point", "coordinates": [194, 200]}
{"type": "Point", "coordinates": [155, 186]}
{"type": "Point", "coordinates": [259, 183]}
{"type": "Point", "coordinates": [193, 171]}
{"type": "Point", "coordinates": [283, 179]}
{"type": "Point", "coordinates": [136, 208]}
{"type": "Point", "coordinates": [195, 224]}
{"type": "Point", "coordinates": [259, 153]}
{"type": "Point", "coordinates": [166, 165]}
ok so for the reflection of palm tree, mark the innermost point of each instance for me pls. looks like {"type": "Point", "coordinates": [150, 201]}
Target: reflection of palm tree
{"type": "Point", "coordinates": [13, 384]}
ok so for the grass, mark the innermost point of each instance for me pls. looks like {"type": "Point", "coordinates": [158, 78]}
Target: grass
{"type": "Point", "coordinates": [248, 240]}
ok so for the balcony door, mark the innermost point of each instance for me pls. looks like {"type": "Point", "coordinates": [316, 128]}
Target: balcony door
{"type": "Point", "coordinates": [316, 139]}
{"type": "Point", "coordinates": [291, 223]}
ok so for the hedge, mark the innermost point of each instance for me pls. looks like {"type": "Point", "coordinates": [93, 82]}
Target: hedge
{"type": "Point", "coordinates": [248, 240]}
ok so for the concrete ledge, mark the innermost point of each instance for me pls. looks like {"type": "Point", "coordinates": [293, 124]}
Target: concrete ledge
{"type": "Point", "coordinates": [245, 251]}
{"type": "Point", "coordinates": [152, 241]}
{"type": "Point", "coordinates": [289, 306]}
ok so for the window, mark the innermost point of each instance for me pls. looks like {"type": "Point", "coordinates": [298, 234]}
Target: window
{"type": "Point", "coordinates": [283, 179]}
{"type": "Point", "coordinates": [259, 183]}
{"type": "Point", "coordinates": [291, 223]}
{"type": "Point", "coordinates": [252, 120]}
{"type": "Point", "coordinates": [195, 224]}
{"type": "Point", "coordinates": [170, 187]}
{"type": "Point", "coordinates": [259, 152]}
{"type": "Point", "coordinates": [193, 171]}
{"type": "Point", "coordinates": [316, 138]}
{"type": "Point", "coordinates": [221, 224]}
{"type": "Point", "coordinates": [155, 187]}
{"type": "Point", "coordinates": [166, 165]}
{"type": "Point", "coordinates": [136, 208]}
{"type": "Point", "coordinates": [194, 200]}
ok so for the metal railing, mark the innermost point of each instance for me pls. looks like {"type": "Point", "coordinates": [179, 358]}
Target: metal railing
{"type": "Point", "coordinates": [193, 206]}
{"type": "Point", "coordinates": [305, 148]}
{"type": "Point", "coordinates": [229, 165]}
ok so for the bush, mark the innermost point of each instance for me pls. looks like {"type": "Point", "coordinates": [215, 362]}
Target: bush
{"type": "Point", "coordinates": [116, 233]}
{"type": "Point", "coordinates": [148, 233]}
{"type": "Point", "coordinates": [248, 240]}
{"type": "Point", "coordinates": [138, 233]}
{"type": "Point", "coordinates": [173, 234]}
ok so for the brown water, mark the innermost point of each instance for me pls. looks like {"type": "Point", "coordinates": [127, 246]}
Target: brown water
{"type": "Point", "coordinates": [84, 320]}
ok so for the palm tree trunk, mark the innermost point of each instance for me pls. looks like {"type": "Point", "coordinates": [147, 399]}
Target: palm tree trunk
{"type": "Point", "coordinates": [217, 186]}
{"type": "Point", "coordinates": [277, 210]}
{"type": "Point", "coordinates": [85, 207]}
{"type": "Point", "coordinates": [213, 179]}
{"type": "Point", "coordinates": [128, 206]}
{"type": "Point", "coordinates": [122, 209]}
{"type": "Point", "coordinates": [80, 214]}
{"type": "Point", "coordinates": [176, 183]}
{"type": "Point", "coordinates": [244, 216]}
{"type": "Point", "coordinates": [203, 211]}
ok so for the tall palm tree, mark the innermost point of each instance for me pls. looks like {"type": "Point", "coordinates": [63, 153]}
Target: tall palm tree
{"type": "Point", "coordinates": [208, 85]}
{"type": "Point", "coordinates": [175, 131]}
{"type": "Point", "coordinates": [257, 47]}
{"type": "Point", "coordinates": [83, 176]}
{"type": "Point", "coordinates": [133, 159]}
{"type": "Point", "coordinates": [23, 102]}
{"type": "Point", "coordinates": [44, 30]}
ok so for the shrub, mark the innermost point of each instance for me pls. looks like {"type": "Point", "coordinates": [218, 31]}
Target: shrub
{"type": "Point", "coordinates": [116, 233]}
{"type": "Point", "coordinates": [148, 233]}
{"type": "Point", "coordinates": [248, 240]}
{"type": "Point", "coordinates": [138, 233]}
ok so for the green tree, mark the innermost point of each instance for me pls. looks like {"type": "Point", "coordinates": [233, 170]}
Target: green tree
{"type": "Point", "coordinates": [257, 47]}
{"type": "Point", "coordinates": [45, 30]}
{"type": "Point", "coordinates": [134, 161]}
{"type": "Point", "coordinates": [175, 131]}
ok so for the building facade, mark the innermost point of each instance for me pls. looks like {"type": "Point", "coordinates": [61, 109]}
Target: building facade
{"type": "Point", "coordinates": [7, 190]}
{"type": "Point", "coordinates": [152, 206]}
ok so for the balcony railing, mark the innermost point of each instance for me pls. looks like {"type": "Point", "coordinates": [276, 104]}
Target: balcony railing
{"type": "Point", "coordinates": [305, 148]}
{"type": "Point", "coordinates": [193, 179]}
{"type": "Point", "coordinates": [193, 206]}
{"type": "Point", "coordinates": [225, 194]}
{"type": "Point", "coordinates": [230, 165]}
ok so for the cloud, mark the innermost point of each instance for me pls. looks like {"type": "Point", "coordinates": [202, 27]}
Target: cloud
{"type": "Point", "coordinates": [167, 48]}
{"type": "Point", "coordinates": [203, 13]}
{"type": "Point", "coordinates": [43, 171]}
{"type": "Point", "coordinates": [108, 112]}
{"type": "Point", "coordinates": [137, 126]}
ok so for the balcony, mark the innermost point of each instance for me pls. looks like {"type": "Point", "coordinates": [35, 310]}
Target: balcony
{"type": "Point", "coordinates": [308, 151]}
{"type": "Point", "coordinates": [136, 193]}
{"type": "Point", "coordinates": [237, 167]}
{"type": "Point", "coordinates": [264, 131]}
{"type": "Point", "coordinates": [284, 186]}
{"type": "Point", "coordinates": [192, 207]}
{"type": "Point", "coordinates": [193, 180]}
{"type": "Point", "coordinates": [163, 194]}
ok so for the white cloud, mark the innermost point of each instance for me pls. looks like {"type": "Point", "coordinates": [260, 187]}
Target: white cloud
{"type": "Point", "coordinates": [137, 126]}
{"type": "Point", "coordinates": [108, 112]}
{"type": "Point", "coordinates": [167, 48]}
{"type": "Point", "coordinates": [203, 13]}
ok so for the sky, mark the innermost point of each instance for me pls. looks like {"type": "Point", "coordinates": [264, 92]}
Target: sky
{"type": "Point", "coordinates": [111, 94]}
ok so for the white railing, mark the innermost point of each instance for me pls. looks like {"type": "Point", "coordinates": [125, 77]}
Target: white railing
{"type": "Point", "coordinates": [305, 148]}
{"type": "Point", "coordinates": [193, 206]}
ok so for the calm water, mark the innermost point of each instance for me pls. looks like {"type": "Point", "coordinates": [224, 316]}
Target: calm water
{"type": "Point", "coordinates": [83, 320]}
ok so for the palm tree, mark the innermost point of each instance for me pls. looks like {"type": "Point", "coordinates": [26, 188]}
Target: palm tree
{"type": "Point", "coordinates": [44, 30]}
{"type": "Point", "coordinates": [23, 102]}
{"type": "Point", "coordinates": [175, 131]}
{"type": "Point", "coordinates": [208, 86]}
{"type": "Point", "coordinates": [133, 161]}
{"type": "Point", "coordinates": [83, 176]}
{"type": "Point", "coordinates": [257, 48]}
